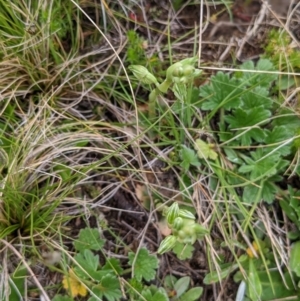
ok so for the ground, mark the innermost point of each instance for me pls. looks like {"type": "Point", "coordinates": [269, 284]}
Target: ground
{"type": "Point", "coordinates": [128, 167]}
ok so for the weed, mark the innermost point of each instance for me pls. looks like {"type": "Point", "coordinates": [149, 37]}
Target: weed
{"type": "Point", "coordinates": [87, 277]}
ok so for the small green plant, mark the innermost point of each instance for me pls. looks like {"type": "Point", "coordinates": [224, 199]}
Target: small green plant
{"type": "Point", "coordinates": [280, 51]}
{"type": "Point", "coordinates": [257, 282]}
{"type": "Point", "coordinates": [178, 289]}
{"type": "Point", "coordinates": [178, 77]}
{"type": "Point", "coordinates": [244, 105]}
{"type": "Point", "coordinates": [86, 277]}
{"type": "Point", "coordinates": [185, 232]}
{"type": "Point", "coordinates": [136, 48]}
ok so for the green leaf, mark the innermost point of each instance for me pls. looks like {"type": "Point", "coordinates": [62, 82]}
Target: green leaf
{"type": "Point", "coordinates": [182, 285]}
{"type": "Point", "coordinates": [258, 78]}
{"type": "Point", "coordinates": [246, 118]}
{"type": "Point", "coordinates": [254, 286]}
{"type": "Point", "coordinates": [242, 119]}
{"type": "Point", "coordinates": [269, 190]}
{"type": "Point", "coordinates": [289, 211]}
{"type": "Point", "coordinates": [169, 282]}
{"type": "Point", "coordinates": [112, 265]}
{"type": "Point", "coordinates": [294, 259]}
{"type": "Point", "coordinates": [189, 157]}
{"type": "Point", "coordinates": [257, 97]}
{"type": "Point", "coordinates": [17, 284]}
{"type": "Point", "coordinates": [183, 251]}
{"type": "Point", "coordinates": [88, 239]}
{"type": "Point", "coordinates": [260, 166]}
{"type": "Point", "coordinates": [250, 194]}
{"type": "Point", "coordinates": [155, 294]}
{"type": "Point", "coordinates": [145, 264]}
{"type": "Point", "coordinates": [205, 150]}
{"type": "Point", "coordinates": [275, 288]}
{"type": "Point", "coordinates": [109, 287]}
{"type": "Point", "coordinates": [285, 82]}
{"type": "Point", "coordinates": [278, 136]}
{"type": "Point", "coordinates": [135, 287]}
{"type": "Point", "coordinates": [287, 118]}
{"type": "Point", "coordinates": [62, 298]}
{"type": "Point", "coordinates": [88, 264]}
{"type": "Point", "coordinates": [215, 276]}
{"type": "Point", "coordinates": [222, 91]}
{"type": "Point", "coordinates": [192, 295]}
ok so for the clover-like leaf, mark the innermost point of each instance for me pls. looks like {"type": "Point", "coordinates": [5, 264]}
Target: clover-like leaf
{"type": "Point", "coordinates": [109, 287]}
{"type": "Point", "coordinates": [245, 122]}
{"type": "Point", "coordinates": [145, 264]}
{"type": "Point", "coordinates": [205, 150]}
{"type": "Point", "coordinates": [154, 294]}
{"type": "Point", "coordinates": [183, 251]}
{"type": "Point", "coordinates": [189, 158]}
{"type": "Point", "coordinates": [88, 239]}
{"type": "Point", "coordinates": [222, 92]}
{"type": "Point", "coordinates": [262, 166]}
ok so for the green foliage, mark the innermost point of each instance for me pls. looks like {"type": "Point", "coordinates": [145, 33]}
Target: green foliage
{"type": "Point", "coordinates": [103, 281]}
{"type": "Point", "coordinates": [89, 239]}
{"type": "Point", "coordinates": [179, 77]}
{"type": "Point", "coordinates": [245, 105]}
{"type": "Point", "coordinates": [189, 158]}
{"type": "Point", "coordinates": [62, 298]}
{"type": "Point", "coordinates": [154, 294]}
{"type": "Point", "coordinates": [180, 288]}
{"type": "Point", "coordinates": [183, 251]}
{"type": "Point", "coordinates": [108, 287]}
{"type": "Point", "coordinates": [144, 265]}
{"type": "Point", "coordinates": [280, 51]}
{"type": "Point", "coordinates": [294, 259]}
{"type": "Point", "coordinates": [258, 139]}
{"type": "Point", "coordinates": [205, 150]}
{"type": "Point", "coordinates": [223, 91]}
{"type": "Point", "coordinates": [135, 48]}
{"type": "Point", "coordinates": [185, 231]}
{"type": "Point", "coordinates": [17, 284]}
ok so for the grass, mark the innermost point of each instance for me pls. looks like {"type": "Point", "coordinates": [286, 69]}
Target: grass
{"type": "Point", "coordinates": [92, 172]}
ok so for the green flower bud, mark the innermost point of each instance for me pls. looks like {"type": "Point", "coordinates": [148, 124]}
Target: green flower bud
{"type": "Point", "coordinates": [181, 235]}
{"type": "Point", "coordinates": [186, 214]}
{"type": "Point", "coordinates": [178, 224]}
{"type": "Point", "coordinates": [167, 244]}
{"type": "Point", "coordinates": [172, 213]}
{"type": "Point", "coordinates": [184, 239]}
{"type": "Point", "coordinates": [142, 74]}
{"type": "Point", "coordinates": [197, 72]}
{"type": "Point", "coordinates": [178, 72]}
{"type": "Point", "coordinates": [200, 231]}
{"type": "Point", "coordinates": [189, 71]}
{"type": "Point", "coordinates": [178, 68]}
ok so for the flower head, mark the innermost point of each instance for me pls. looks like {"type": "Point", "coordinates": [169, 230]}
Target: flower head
{"type": "Point", "coordinates": [249, 250]}
{"type": "Point", "coordinates": [72, 284]}
{"type": "Point", "coordinates": [142, 74]}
